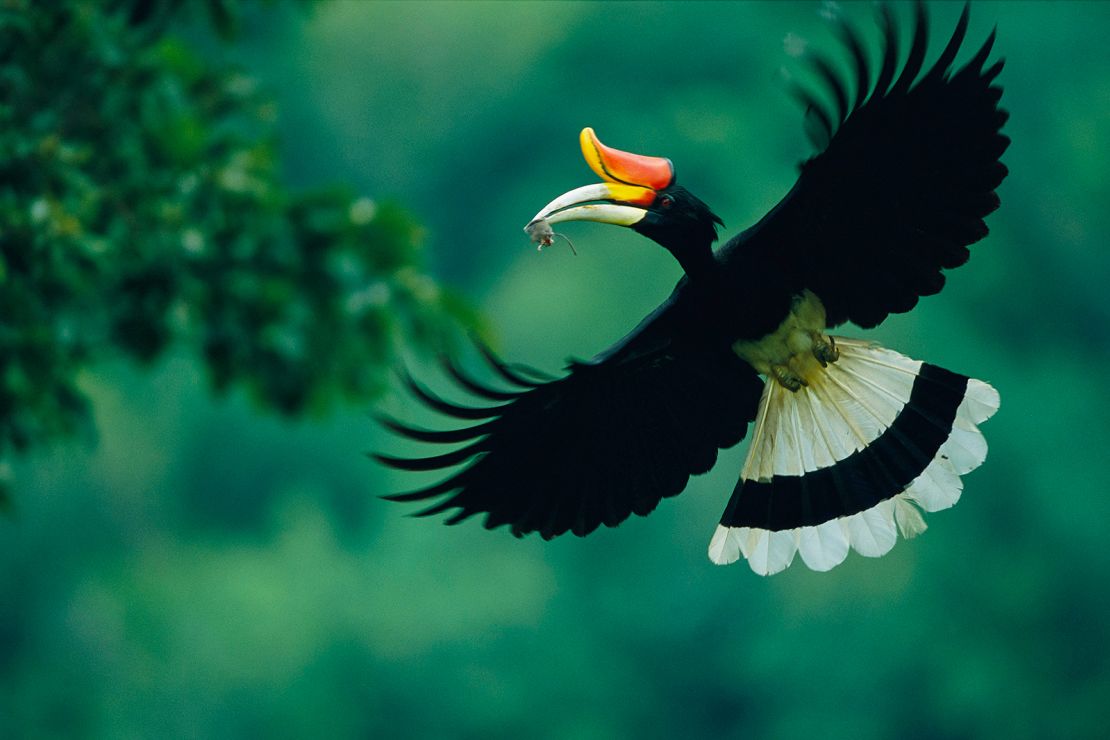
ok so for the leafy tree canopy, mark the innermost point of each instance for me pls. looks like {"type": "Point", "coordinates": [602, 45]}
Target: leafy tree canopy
{"type": "Point", "coordinates": [141, 208]}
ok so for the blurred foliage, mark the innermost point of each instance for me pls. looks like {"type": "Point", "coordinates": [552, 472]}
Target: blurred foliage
{"type": "Point", "coordinates": [141, 206]}
{"type": "Point", "coordinates": [210, 571]}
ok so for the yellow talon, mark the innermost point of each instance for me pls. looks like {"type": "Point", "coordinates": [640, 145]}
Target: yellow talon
{"type": "Point", "coordinates": [824, 349]}
{"type": "Point", "coordinates": [787, 378]}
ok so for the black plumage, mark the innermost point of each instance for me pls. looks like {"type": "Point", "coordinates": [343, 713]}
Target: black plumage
{"type": "Point", "coordinates": [615, 438]}
{"type": "Point", "coordinates": [906, 172]}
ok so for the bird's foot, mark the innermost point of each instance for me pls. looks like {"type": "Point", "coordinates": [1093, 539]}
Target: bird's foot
{"type": "Point", "coordinates": [787, 378]}
{"type": "Point", "coordinates": [824, 349]}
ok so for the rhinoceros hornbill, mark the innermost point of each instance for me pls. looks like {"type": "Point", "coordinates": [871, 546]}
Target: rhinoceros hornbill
{"type": "Point", "coordinates": [851, 441]}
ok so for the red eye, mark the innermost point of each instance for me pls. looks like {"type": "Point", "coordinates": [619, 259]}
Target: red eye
{"type": "Point", "coordinates": [666, 201]}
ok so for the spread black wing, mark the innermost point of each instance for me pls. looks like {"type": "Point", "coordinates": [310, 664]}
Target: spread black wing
{"type": "Point", "coordinates": [609, 439]}
{"type": "Point", "coordinates": [900, 191]}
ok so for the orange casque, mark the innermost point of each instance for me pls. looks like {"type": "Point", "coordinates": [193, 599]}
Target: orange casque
{"type": "Point", "coordinates": [613, 165]}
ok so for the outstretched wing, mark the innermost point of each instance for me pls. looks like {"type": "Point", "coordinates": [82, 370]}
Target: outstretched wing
{"type": "Point", "coordinates": [609, 439]}
{"type": "Point", "coordinates": [901, 189]}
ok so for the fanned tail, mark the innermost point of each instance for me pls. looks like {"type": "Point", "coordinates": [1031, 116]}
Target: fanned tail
{"type": "Point", "coordinates": [852, 459]}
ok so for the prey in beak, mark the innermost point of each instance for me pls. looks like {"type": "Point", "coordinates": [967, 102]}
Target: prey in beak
{"type": "Point", "coordinates": [632, 183]}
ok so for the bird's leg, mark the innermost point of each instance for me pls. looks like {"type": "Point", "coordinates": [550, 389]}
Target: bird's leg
{"type": "Point", "coordinates": [824, 349]}
{"type": "Point", "coordinates": [787, 378]}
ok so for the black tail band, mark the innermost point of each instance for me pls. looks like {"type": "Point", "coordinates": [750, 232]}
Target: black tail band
{"type": "Point", "coordinates": [878, 472]}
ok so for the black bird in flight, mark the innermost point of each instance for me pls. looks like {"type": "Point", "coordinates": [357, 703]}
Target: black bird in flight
{"type": "Point", "coordinates": [851, 441]}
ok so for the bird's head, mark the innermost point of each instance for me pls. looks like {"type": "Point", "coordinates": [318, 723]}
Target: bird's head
{"type": "Point", "coordinates": [639, 192]}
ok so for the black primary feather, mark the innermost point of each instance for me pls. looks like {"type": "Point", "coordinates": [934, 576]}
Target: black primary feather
{"type": "Point", "coordinates": [609, 439]}
{"type": "Point", "coordinates": [900, 190]}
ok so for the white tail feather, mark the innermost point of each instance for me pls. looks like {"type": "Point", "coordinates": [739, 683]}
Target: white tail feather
{"type": "Point", "coordinates": [844, 409]}
{"type": "Point", "coordinates": [822, 547]}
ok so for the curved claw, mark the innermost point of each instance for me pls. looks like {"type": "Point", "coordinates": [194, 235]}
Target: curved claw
{"type": "Point", "coordinates": [824, 350]}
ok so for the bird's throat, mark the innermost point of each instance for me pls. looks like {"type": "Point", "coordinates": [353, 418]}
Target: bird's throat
{"type": "Point", "coordinates": [697, 261]}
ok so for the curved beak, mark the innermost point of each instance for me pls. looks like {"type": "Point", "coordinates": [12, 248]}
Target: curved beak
{"type": "Point", "coordinates": [610, 203]}
{"type": "Point", "coordinates": [631, 184]}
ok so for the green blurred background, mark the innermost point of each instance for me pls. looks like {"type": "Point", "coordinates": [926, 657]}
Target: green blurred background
{"type": "Point", "coordinates": [209, 569]}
